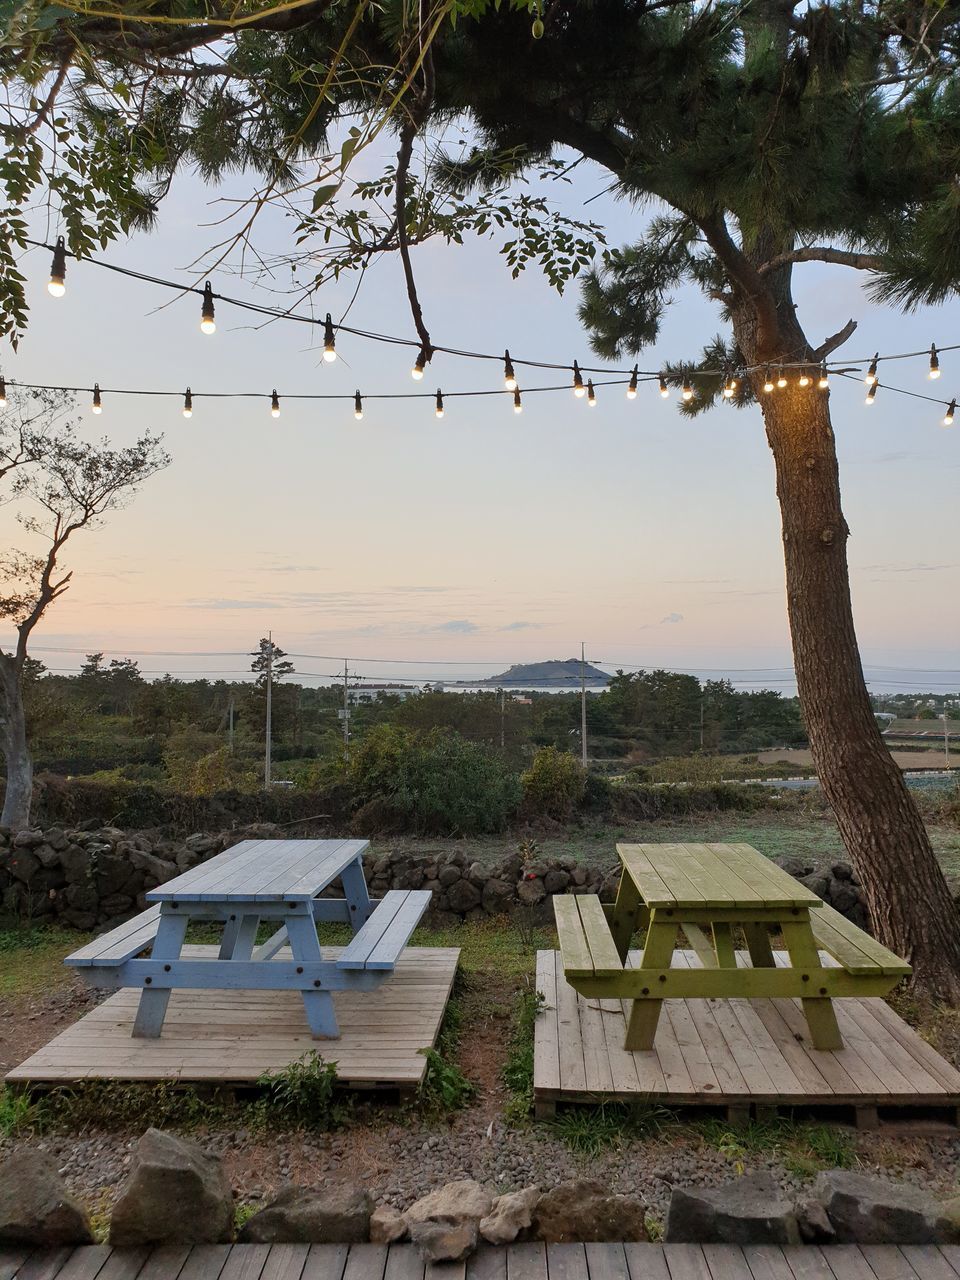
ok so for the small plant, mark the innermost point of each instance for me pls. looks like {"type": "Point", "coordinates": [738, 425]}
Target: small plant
{"type": "Point", "coordinates": [243, 1213]}
{"type": "Point", "coordinates": [444, 1086]}
{"type": "Point", "coordinates": [802, 1148]}
{"type": "Point", "coordinates": [18, 1113]}
{"type": "Point", "coordinates": [518, 1068]}
{"type": "Point", "coordinates": [120, 1105]}
{"type": "Point", "coordinates": [302, 1094]}
{"type": "Point", "coordinates": [587, 1130]}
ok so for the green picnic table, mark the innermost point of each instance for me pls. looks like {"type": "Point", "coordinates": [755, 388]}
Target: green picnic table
{"type": "Point", "coordinates": [708, 890]}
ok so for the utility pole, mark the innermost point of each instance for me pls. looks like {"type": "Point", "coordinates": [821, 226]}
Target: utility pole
{"type": "Point", "coordinates": [346, 717]}
{"type": "Point", "coordinates": [583, 706]}
{"type": "Point", "coordinates": [269, 726]}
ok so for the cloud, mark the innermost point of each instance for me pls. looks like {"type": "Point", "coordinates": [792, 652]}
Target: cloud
{"type": "Point", "coordinates": [521, 626]}
{"type": "Point", "coordinates": [672, 617]}
{"type": "Point", "coordinates": [456, 626]}
{"type": "Point", "coordinates": [902, 568]}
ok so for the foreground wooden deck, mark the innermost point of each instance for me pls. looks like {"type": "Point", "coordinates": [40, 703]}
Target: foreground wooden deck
{"type": "Point", "coordinates": [534, 1261]}
{"type": "Point", "coordinates": [737, 1055]}
{"type": "Point", "coordinates": [232, 1037]}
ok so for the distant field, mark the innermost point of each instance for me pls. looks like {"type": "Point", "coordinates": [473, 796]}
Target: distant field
{"type": "Point", "coordinates": [926, 757]}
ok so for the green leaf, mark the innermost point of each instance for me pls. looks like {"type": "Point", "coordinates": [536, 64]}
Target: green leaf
{"type": "Point", "coordinates": [322, 195]}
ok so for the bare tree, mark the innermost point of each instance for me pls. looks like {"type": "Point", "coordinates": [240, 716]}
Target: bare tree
{"type": "Point", "coordinates": [60, 484]}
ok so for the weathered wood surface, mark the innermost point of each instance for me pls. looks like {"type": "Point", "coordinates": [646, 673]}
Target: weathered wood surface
{"type": "Point", "coordinates": [731, 1052]}
{"type": "Point", "coordinates": [263, 871]}
{"type": "Point", "coordinates": [232, 1037]}
{"type": "Point", "coordinates": [534, 1261]}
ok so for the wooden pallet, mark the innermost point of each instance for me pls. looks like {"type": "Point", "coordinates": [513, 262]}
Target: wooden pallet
{"type": "Point", "coordinates": [533, 1261]}
{"type": "Point", "coordinates": [738, 1055]}
{"type": "Point", "coordinates": [232, 1037]}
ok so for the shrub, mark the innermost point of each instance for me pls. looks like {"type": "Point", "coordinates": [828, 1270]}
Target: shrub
{"type": "Point", "coordinates": [663, 800]}
{"type": "Point", "coordinates": [554, 786]}
{"type": "Point", "coordinates": [433, 783]}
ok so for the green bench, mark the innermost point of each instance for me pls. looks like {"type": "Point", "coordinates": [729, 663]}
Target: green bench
{"type": "Point", "coordinates": [706, 890]}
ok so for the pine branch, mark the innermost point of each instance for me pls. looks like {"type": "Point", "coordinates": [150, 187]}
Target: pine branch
{"type": "Point", "coordinates": [824, 253]}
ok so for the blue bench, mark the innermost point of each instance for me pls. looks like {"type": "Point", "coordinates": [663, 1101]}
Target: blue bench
{"type": "Point", "coordinates": [379, 943]}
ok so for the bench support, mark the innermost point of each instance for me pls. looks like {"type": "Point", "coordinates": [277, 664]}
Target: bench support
{"type": "Point", "coordinates": [645, 1014]}
{"type": "Point", "coordinates": [818, 1010]}
{"type": "Point", "coordinates": [153, 1003]}
{"type": "Point", "coordinates": [318, 1005]}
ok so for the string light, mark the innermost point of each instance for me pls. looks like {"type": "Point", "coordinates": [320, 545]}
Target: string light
{"type": "Point", "coordinates": [781, 378]}
{"type": "Point", "coordinates": [187, 404]}
{"type": "Point", "coordinates": [578, 387]}
{"type": "Point", "coordinates": [948, 416]}
{"type": "Point", "coordinates": [357, 406]}
{"type": "Point", "coordinates": [687, 392]}
{"type": "Point", "coordinates": [274, 404]}
{"type": "Point", "coordinates": [632, 388]}
{"type": "Point", "coordinates": [3, 392]}
{"type": "Point", "coordinates": [207, 323]}
{"type": "Point", "coordinates": [56, 285]}
{"type": "Point", "coordinates": [517, 402]}
{"type": "Point", "coordinates": [97, 406]}
{"type": "Point", "coordinates": [767, 380]}
{"type": "Point", "coordinates": [824, 380]}
{"type": "Point", "coordinates": [591, 394]}
{"type": "Point", "coordinates": [509, 377]}
{"type": "Point", "coordinates": [664, 389]}
{"type": "Point", "coordinates": [871, 377]}
{"type": "Point", "coordinates": [934, 361]}
{"type": "Point", "coordinates": [329, 340]}
{"type": "Point", "coordinates": [419, 364]}
{"type": "Point", "coordinates": [872, 391]}
{"type": "Point", "coordinates": [439, 403]}
{"type": "Point", "coordinates": [804, 379]}
{"type": "Point", "coordinates": [729, 388]}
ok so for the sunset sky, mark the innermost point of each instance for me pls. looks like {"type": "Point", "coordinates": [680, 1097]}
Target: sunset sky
{"type": "Point", "coordinates": [487, 537]}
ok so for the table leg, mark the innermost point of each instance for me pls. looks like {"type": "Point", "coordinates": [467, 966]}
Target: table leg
{"type": "Point", "coordinates": [239, 938]}
{"type": "Point", "coordinates": [657, 953]}
{"type": "Point", "coordinates": [302, 932]}
{"type": "Point", "coordinates": [804, 957]}
{"type": "Point", "coordinates": [626, 912]}
{"type": "Point", "coordinates": [356, 893]}
{"type": "Point", "coordinates": [758, 944]}
{"type": "Point", "coordinates": [723, 946]}
{"type": "Point", "coordinates": [167, 945]}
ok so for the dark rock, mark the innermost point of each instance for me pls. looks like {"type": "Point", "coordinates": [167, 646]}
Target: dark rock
{"type": "Point", "coordinates": [28, 838]}
{"type": "Point", "coordinates": [556, 881]}
{"type": "Point", "coordinates": [299, 1215]}
{"type": "Point", "coordinates": [866, 1210]}
{"type": "Point", "coordinates": [585, 1211]}
{"type": "Point", "coordinates": [815, 1226]}
{"type": "Point", "coordinates": [463, 896]}
{"type": "Point", "coordinates": [444, 1240]}
{"type": "Point", "coordinates": [531, 891]}
{"type": "Point", "coordinates": [35, 1206]}
{"type": "Point", "coordinates": [176, 1192]}
{"type": "Point", "coordinates": [750, 1210]}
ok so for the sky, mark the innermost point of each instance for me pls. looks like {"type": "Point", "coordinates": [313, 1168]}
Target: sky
{"type": "Point", "coordinates": [487, 538]}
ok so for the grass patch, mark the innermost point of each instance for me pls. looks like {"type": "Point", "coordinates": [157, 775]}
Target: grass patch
{"type": "Point", "coordinates": [302, 1095]}
{"type": "Point", "coordinates": [802, 1148]}
{"type": "Point", "coordinates": [31, 958]}
{"type": "Point", "coordinates": [588, 1130]}
{"type": "Point", "coordinates": [19, 1113]}
{"type": "Point", "coordinates": [118, 1104]}
{"type": "Point", "coordinates": [518, 1068]}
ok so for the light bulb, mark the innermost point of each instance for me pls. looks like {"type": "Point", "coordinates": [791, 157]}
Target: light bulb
{"type": "Point", "coordinates": [934, 362]}
{"type": "Point", "coordinates": [591, 394]}
{"type": "Point", "coordinates": [872, 371]}
{"type": "Point", "coordinates": [781, 378]}
{"type": "Point", "coordinates": [439, 403]}
{"type": "Point", "coordinates": [804, 378]}
{"type": "Point", "coordinates": [948, 416]}
{"type": "Point", "coordinates": [517, 402]}
{"type": "Point", "coordinates": [687, 392]}
{"type": "Point", "coordinates": [207, 322]}
{"type": "Point", "coordinates": [767, 380]}
{"type": "Point", "coordinates": [824, 380]}
{"type": "Point", "coordinates": [97, 406]}
{"type": "Point", "coordinates": [187, 404]}
{"type": "Point", "coordinates": [3, 391]}
{"type": "Point", "coordinates": [420, 364]}
{"type": "Point", "coordinates": [509, 377]}
{"type": "Point", "coordinates": [56, 286]}
{"type": "Point", "coordinates": [632, 388]}
{"type": "Point", "coordinates": [729, 387]}
{"type": "Point", "coordinates": [357, 407]}
{"type": "Point", "coordinates": [329, 340]}
{"type": "Point", "coordinates": [578, 388]}
{"type": "Point", "coordinates": [274, 404]}
{"type": "Point", "coordinates": [664, 389]}
{"type": "Point", "coordinates": [872, 392]}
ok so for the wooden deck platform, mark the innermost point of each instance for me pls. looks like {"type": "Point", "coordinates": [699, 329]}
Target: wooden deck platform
{"type": "Point", "coordinates": [738, 1055]}
{"type": "Point", "coordinates": [232, 1037]}
{"type": "Point", "coordinates": [534, 1261]}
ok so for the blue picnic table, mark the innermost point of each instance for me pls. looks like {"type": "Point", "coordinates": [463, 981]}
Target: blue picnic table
{"type": "Point", "coordinates": [255, 881]}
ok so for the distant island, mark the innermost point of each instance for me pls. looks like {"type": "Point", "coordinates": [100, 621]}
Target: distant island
{"type": "Point", "coordinates": [556, 674]}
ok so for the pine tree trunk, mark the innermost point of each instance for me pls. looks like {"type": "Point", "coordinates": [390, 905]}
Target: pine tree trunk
{"type": "Point", "coordinates": [910, 904]}
{"type": "Point", "coordinates": [13, 738]}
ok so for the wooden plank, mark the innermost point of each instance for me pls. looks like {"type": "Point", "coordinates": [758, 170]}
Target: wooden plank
{"type": "Point", "coordinates": [527, 1261]}
{"type": "Point", "coordinates": [645, 1262]}
{"type": "Point", "coordinates": [726, 1262]}
{"type": "Point", "coordinates": [574, 948]}
{"type": "Point", "coordinates": [397, 934]}
{"type": "Point", "coordinates": [696, 1059]}
{"type": "Point", "coordinates": [86, 1262]}
{"type": "Point", "coordinates": [354, 955]}
{"type": "Point", "coordinates": [606, 1262]}
{"type": "Point", "coordinates": [566, 1262]}
{"type": "Point", "coordinates": [124, 1264]}
{"type": "Point", "coordinates": [126, 940]}
{"type": "Point", "coordinates": [329, 1261]}
{"type": "Point", "coordinates": [951, 1255]}
{"type": "Point", "coordinates": [286, 1262]}
{"type": "Point", "coordinates": [12, 1259]}
{"type": "Point", "coordinates": [887, 1263]}
{"type": "Point", "coordinates": [686, 1262]}
{"type": "Point", "coordinates": [603, 949]}
{"type": "Point", "coordinates": [766, 1262]}
{"type": "Point", "coordinates": [847, 1262]}
{"type": "Point", "coordinates": [166, 1262]}
{"type": "Point", "coordinates": [652, 888]}
{"type": "Point", "coordinates": [717, 881]}
{"type": "Point", "coordinates": [45, 1264]}
{"type": "Point", "coordinates": [364, 1261]}
{"type": "Point", "coordinates": [729, 1076]}
{"type": "Point", "coordinates": [404, 1263]}
{"type": "Point", "coordinates": [807, 1262]}
{"type": "Point", "coordinates": [246, 1262]}
{"type": "Point", "coordinates": [546, 1044]}
{"type": "Point", "coordinates": [596, 1063]}
{"type": "Point", "coordinates": [205, 1262]}
{"type": "Point", "coordinates": [490, 1263]}
{"type": "Point", "coordinates": [929, 1262]}
{"type": "Point", "coordinates": [864, 950]}
{"type": "Point", "coordinates": [934, 1063]}
{"type": "Point", "coordinates": [572, 1069]}
{"type": "Point", "coordinates": [777, 888]}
